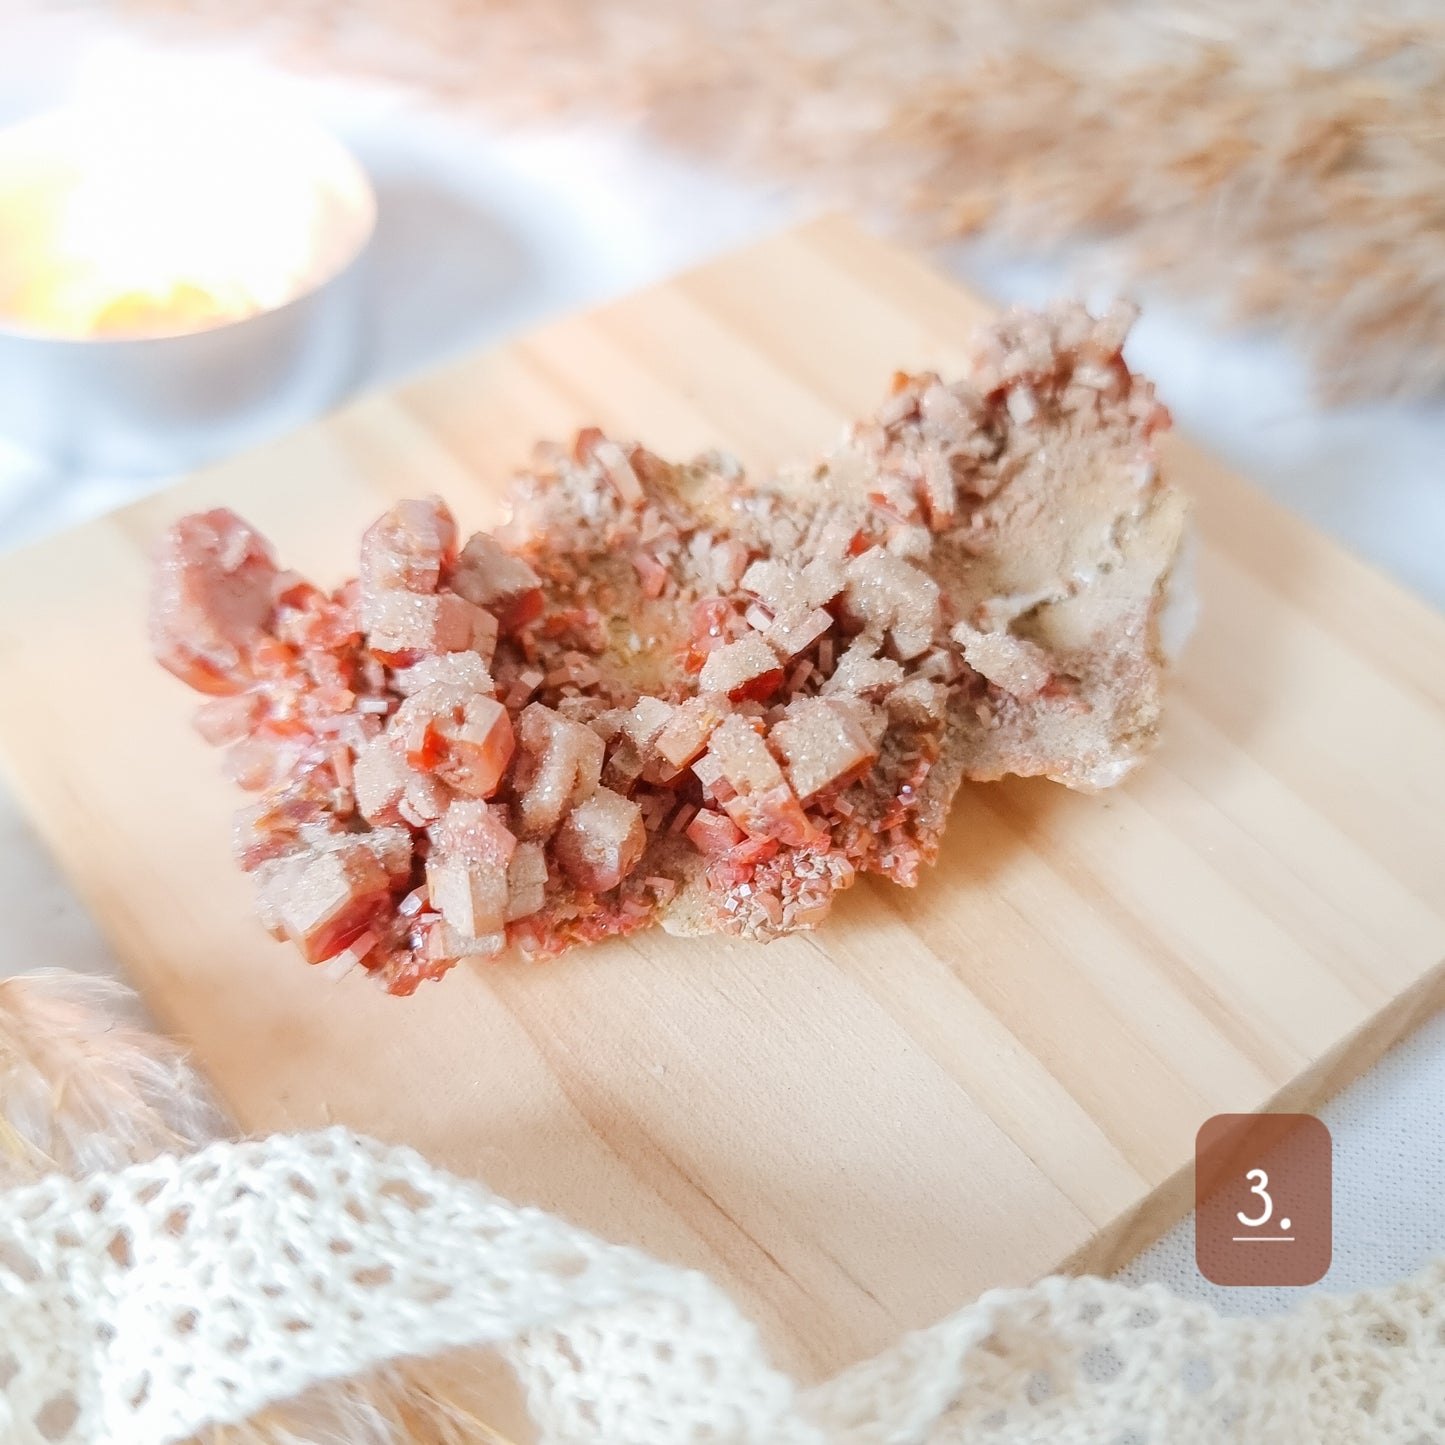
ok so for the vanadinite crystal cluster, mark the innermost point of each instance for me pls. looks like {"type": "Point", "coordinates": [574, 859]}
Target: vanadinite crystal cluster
{"type": "Point", "coordinates": [670, 693]}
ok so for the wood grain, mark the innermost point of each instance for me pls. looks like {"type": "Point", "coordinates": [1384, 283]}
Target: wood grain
{"type": "Point", "coordinates": [947, 1089]}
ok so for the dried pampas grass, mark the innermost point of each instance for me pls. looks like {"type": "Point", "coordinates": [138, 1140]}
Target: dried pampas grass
{"type": "Point", "coordinates": [1282, 159]}
{"type": "Point", "coordinates": [84, 1088]}
{"type": "Point", "coordinates": [417, 1403]}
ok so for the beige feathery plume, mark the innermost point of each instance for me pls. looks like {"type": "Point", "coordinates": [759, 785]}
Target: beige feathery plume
{"type": "Point", "coordinates": [421, 1402]}
{"type": "Point", "coordinates": [1278, 160]}
{"type": "Point", "coordinates": [83, 1087]}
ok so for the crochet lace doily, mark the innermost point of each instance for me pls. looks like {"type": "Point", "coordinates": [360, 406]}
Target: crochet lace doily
{"type": "Point", "coordinates": [137, 1307]}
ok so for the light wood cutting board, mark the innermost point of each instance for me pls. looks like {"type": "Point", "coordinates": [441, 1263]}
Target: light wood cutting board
{"type": "Point", "coordinates": [962, 1086]}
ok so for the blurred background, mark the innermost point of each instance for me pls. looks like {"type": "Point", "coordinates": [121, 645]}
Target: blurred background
{"type": "Point", "coordinates": [1267, 179]}
{"type": "Point", "coordinates": [1268, 184]}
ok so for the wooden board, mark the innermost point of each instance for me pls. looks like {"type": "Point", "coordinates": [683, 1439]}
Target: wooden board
{"type": "Point", "coordinates": [947, 1089]}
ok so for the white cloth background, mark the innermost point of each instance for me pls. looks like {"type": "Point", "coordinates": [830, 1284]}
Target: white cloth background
{"type": "Point", "coordinates": [483, 235]}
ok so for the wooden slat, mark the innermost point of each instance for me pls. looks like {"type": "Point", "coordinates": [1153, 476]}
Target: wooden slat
{"type": "Point", "coordinates": [943, 1090]}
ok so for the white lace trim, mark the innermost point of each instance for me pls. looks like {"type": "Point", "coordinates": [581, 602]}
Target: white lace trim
{"type": "Point", "coordinates": [137, 1307]}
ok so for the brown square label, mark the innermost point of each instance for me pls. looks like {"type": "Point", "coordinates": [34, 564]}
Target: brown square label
{"type": "Point", "coordinates": [1262, 1199]}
